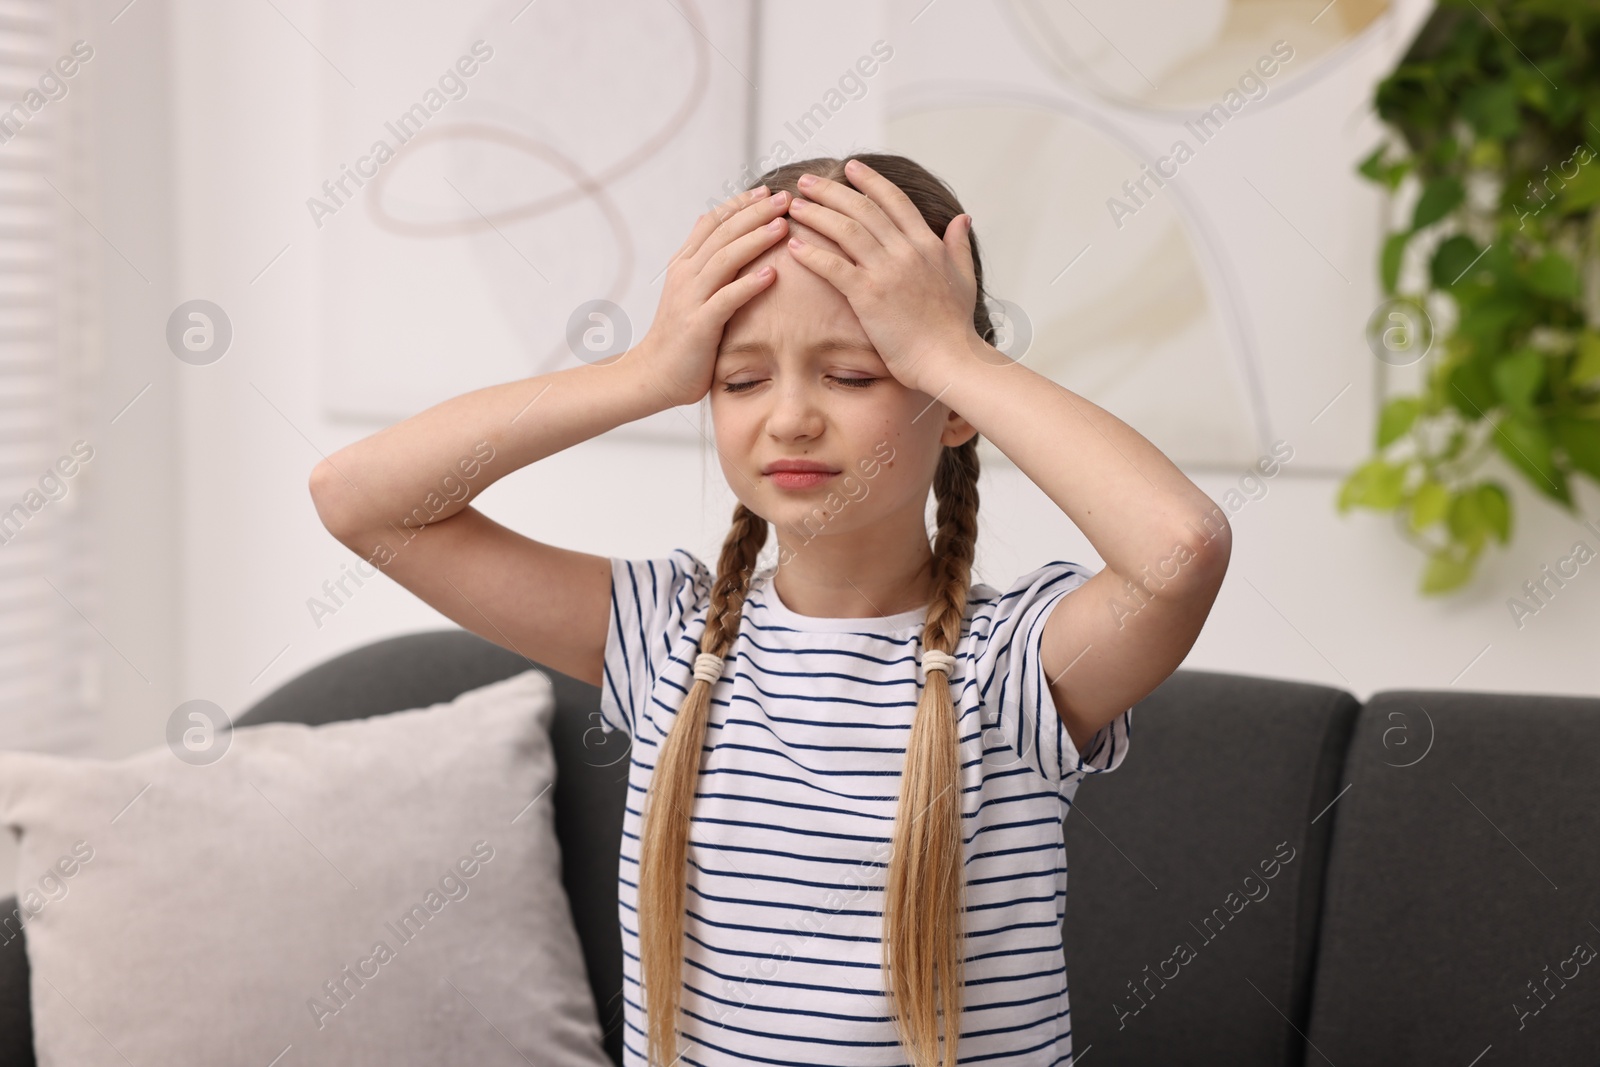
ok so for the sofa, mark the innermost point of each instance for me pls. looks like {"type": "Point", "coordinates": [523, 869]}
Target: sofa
{"type": "Point", "coordinates": [1280, 874]}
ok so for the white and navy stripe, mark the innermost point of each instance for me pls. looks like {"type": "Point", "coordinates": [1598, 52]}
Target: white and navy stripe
{"type": "Point", "coordinates": [795, 807]}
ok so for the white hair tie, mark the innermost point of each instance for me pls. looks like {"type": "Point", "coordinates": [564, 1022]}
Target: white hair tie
{"type": "Point", "coordinates": [708, 667]}
{"type": "Point", "coordinates": [934, 660]}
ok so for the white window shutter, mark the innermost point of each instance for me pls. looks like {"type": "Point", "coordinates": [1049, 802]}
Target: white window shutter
{"type": "Point", "coordinates": [49, 581]}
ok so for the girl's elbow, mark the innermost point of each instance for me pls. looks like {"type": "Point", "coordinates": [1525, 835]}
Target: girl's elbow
{"type": "Point", "coordinates": [1209, 546]}
{"type": "Point", "coordinates": [326, 487]}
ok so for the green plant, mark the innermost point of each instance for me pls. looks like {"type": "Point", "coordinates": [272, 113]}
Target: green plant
{"type": "Point", "coordinates": [1493, 114]}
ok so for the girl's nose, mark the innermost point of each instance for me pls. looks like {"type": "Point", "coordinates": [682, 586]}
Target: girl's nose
{"type": "Point", "coordinates": [796, 411]}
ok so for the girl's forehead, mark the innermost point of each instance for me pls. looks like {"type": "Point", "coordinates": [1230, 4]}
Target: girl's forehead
{"type": "Point", "coordinates": [798, 306]}
{"type": "Point", "coordinates": [793, 332]}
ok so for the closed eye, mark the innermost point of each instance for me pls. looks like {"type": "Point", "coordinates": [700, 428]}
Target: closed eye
{"type": "Point", "coordinates": [854, 383]}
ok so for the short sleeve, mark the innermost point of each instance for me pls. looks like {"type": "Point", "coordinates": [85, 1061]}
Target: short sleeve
{"type": "Point", "coordinates": [652, 600]}
{"type": "Point", "coordinates": [1015, 701]}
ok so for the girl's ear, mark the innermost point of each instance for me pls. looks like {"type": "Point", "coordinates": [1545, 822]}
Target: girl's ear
{"type": "Point", "coordinates": [957, 431]}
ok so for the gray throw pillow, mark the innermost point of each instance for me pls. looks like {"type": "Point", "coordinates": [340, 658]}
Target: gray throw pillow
{"type": "Point", "coordinates": [376, 891]}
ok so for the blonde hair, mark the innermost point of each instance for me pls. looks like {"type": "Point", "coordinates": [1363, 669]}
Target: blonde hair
{"type": "Point", "coordinates": [925, 894]}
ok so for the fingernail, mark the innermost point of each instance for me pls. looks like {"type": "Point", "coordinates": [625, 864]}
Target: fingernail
{"type": "Point", "coordinates": [807, 180]}
{"type": "Point", "coordinates": [760, 190]}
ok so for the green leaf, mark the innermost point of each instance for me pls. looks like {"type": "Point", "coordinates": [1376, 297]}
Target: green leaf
{"type": "Point", "coordinates": [1517, 378]}
{"type": "Point", "coordinates": [1389, 263]}
{"type": "Point", "coordinates": [1581, 440]}
{"type": "Point", "coordinates": [1376, 168]}
{"type": "Point", "coordinates": [1373, 167]}
{"type": "Point", "coordinates": [1446, 571]}
{"type": "Point", "coordinates": [1491, 108]}
{"type": "Point", "coordinates": [1485, 321]}
{"type": "Point", "coordinates": [1396, 418]}
{"type": "Point", "coordinates": [1554, 276]}
{"type": "Point", "coordinates": [1486, 154]}
{"type": "Point", "coordinates": [1430, 504]}
{"type": "Point", "coordinates": [1587, 366]}
{"type": "Point", "coordinates": [1503, 263]}
{"type": "Point", "coordinates": [1444, 152]}
{"type": "Point", "coordinates": [1451, 260]}
{"type": "Point", "coordinates": [1582, 190]}
{"type": "Point", "coordinates": [1533, 83]}
{"type": "Point", "coordinates": [1452, 448]}
{"type": "Point", "coordinates": [1564, 107]}
{"type": "Point", "coordinates": [1526, 444]}
{"type": "Point", "coordinates": [1470, 391]}
{"type": "Point", "coordinates": [1495, 507]}
{"type": "Point", "coordinates": [1376, 484]}
{"type": "Point", "coordinates": [1438, 199]}
{"type": "Point", "coordinates": [1468, 524]}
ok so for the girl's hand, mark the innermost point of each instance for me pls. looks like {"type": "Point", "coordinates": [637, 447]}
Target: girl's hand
{"type": "Point", "coordinates": [913, 291]}
{"type": "Point", "coordinates": [700, 293]}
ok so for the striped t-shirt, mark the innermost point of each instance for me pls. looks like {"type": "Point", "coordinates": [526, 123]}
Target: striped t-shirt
{"type": "Point", "coordinates": [794, 814]}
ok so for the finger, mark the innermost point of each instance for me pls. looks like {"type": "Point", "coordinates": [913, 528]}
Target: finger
{"type": "Point", "coordinates": [861, 244]}
{"type": "Point", "coordinates": [855, 205]}
{"type": "Point", "coordinates": [958, 239]}
{"type": "Point", "coordinates": [892, 200]}
{"type": "Point", "coordinates": [707, 223]}
{"type": "Point", "coordinates": [727, 261]}
{"type": "Point", "coordinates": [752, 216]}
{"type": "Point", "coordinates": [844, 275]}
{"type": "Point", "coordinates": [725, 301]}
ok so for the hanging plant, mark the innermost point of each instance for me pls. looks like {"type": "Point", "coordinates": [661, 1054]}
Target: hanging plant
{"type": "Point", "coordinates": [1492, 115]}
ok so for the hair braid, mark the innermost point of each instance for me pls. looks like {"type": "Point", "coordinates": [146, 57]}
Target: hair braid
{"type": "Point", "coordinates": [924, 899]}
{"type": "Point", "coordinates": [663, 850]}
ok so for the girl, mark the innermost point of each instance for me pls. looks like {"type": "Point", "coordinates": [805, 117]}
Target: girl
{"type": "Point", "coordinates": [843, 837]}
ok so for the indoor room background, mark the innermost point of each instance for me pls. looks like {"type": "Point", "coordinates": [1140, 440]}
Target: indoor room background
{"type": "Point", "coordinates": [243, 235]}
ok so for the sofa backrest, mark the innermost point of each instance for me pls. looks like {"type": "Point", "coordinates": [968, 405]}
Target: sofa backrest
{"type": "Point", "coordinates": [16, 1016]}
{"type": "Point", "coordinates": [1195, 872]}
{"type": "Point", "coordinates": [1463, 899]}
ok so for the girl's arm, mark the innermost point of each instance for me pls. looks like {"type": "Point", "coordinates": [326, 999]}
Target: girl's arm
{"type": "Point", "coordinates": [1165, 543]}
{"type": "Point", "coordinates": [1132, 503]}
{"type": "Point", "coordinates": [431, 466]}
{"type": "Point", "coordinates": [401, 498]}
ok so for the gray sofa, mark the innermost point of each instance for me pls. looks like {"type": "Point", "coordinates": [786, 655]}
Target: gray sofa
{"type": "Point", "coordinates": [1279, 875]}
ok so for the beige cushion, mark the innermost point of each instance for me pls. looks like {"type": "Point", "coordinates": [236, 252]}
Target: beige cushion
{"type": "Point", "coordinates": [378, 891]}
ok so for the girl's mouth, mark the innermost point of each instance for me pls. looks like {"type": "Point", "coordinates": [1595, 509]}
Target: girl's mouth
{"type": "Point", "coordinates": [799, 479]}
